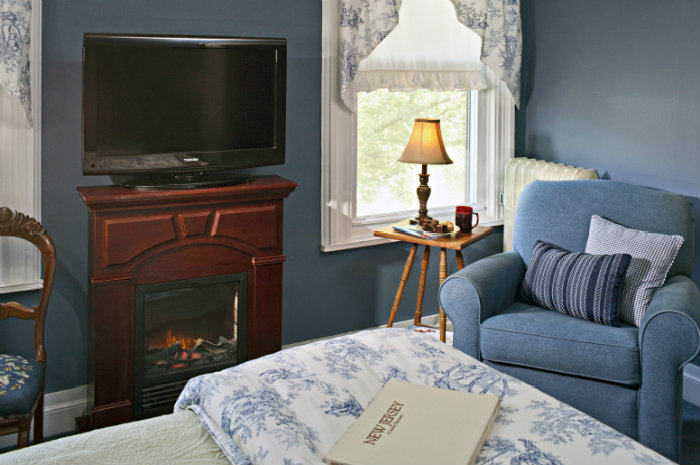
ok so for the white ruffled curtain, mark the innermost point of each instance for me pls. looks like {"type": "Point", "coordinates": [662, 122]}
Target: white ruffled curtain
{"type": "Point", "coordinates": [364, 24]}
{"type": "Point", "coordinates": [15, 16]}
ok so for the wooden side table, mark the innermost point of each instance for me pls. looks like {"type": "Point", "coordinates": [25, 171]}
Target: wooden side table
{"type": "Point", "coordinates": [457, 243]}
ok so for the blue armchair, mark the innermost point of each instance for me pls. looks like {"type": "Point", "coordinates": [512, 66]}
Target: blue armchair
{"type": "Point", "coordinates": [627, 377]}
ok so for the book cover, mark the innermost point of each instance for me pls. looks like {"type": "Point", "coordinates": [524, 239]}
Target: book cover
{"type": "Point", "coordinates": [412, 424]}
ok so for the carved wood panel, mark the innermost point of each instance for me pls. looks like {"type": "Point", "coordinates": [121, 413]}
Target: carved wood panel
{"type": "Point", "coordinates": [125, 238]}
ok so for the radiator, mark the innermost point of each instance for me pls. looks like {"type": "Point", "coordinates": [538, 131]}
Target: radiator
{"type": "Point", "coordinates": [520, 172]}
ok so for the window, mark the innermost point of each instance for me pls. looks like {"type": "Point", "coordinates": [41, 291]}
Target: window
{"type": "Point", "coordinates": [20, 168]}
{"type": "Point", "coordinates": [386, 187]}
{"type": "Point", "coordinates": [363, 186]}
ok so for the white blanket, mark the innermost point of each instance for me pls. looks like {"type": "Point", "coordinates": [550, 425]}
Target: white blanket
{"type": "Point", "coordinates": [175, 439]}
{"type": "Point", "coordinates": [291, 407]}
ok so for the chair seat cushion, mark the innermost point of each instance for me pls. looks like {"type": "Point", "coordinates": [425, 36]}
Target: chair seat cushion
{"type": "Point", "coordinates": [531, 336]}
{"type": "Point", "coordinates": [21, 381]}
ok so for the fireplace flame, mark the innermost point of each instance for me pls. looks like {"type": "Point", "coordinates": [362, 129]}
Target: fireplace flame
{"type": "Point", "coordinates": [186, 342]}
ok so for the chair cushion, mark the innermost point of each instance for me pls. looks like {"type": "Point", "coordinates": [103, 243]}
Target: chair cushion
{"type": "Point", "coordinates": [577, 284]}
{"type": "Point", "coordinates": [21, 381]}
{"type": "Point", "coordinates": [652, 257]}
{"type": "Point", "coordinates": [534, 337]}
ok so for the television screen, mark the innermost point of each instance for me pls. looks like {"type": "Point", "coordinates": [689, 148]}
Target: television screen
{"type": "Point", "coordinates": [154, 104]}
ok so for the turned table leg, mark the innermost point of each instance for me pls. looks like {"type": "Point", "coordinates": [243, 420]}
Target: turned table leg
{"type": "Point", "coordinates": [460, 259]}
{"type": "Point", "coordinates": [443, 275]}
{"type": "Point", "coordinates": [421, 284]}
{"type": "Point", "coordinates": [402, 284]}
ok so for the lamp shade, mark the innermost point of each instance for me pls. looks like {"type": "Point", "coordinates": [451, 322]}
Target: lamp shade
{"type": "Point", "coordinates": [425, 147]}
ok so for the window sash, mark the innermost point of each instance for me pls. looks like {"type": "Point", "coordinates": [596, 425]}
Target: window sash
{"type": "Point", "coordinates": [374, 193]}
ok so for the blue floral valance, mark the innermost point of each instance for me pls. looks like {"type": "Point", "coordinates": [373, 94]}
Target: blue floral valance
{"type": "Point", "coordinates": [365, 23]}
{"type": "Point", "coordinates": [15, 17]}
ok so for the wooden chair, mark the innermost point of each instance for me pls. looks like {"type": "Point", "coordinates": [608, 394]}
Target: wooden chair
{"type": "Point", "coordinates": [21, 379]}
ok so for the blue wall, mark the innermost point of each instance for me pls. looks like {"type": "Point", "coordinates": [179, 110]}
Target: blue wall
{"type": "Point", "coordinates": [615, 86]}
{"type": "Point", "coordinates": [324, 293]}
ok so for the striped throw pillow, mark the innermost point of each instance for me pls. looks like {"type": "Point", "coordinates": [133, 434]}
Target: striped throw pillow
{"type": "Point", "coordinates": [652, 257]}
{"type": "Point", "coordinates": [578, 284]}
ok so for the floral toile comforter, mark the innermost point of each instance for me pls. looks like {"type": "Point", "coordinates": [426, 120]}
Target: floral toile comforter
{"type": "Point", "coordinates": [290, 408]}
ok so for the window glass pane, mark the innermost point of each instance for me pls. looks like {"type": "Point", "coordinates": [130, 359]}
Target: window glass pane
{"type": "Point", "coordinates": [384, 123]}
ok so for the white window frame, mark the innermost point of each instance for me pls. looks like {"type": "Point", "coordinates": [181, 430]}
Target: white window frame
{"type": "Point", "coordinates": [491, 145]}
{"type": "Point", "coordinates": [20, 171]}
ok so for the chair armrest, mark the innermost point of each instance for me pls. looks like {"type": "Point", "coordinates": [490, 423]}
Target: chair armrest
{"type": "Point", "coordinates": [17, 310]}
{"type": "Point", "coordinates": [668, 339]}
{"type": "Point", "coordinates": [477, 292]}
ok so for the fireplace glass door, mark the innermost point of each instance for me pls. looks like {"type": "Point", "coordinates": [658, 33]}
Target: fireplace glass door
{"type": "Point", "coordinates": [184, 328]}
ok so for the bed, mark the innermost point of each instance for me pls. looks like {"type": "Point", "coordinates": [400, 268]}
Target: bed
{"type": "Point", "coordinates": [289, 408]}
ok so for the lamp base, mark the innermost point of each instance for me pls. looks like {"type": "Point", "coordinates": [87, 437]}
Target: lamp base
{"type": "Point", "coordinates": [423, 192]}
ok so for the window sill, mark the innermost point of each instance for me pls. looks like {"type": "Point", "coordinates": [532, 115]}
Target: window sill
{"type": "Point", "coordinates": [366, 238]}
{"type": "Point", "coordinates": [21, 287]}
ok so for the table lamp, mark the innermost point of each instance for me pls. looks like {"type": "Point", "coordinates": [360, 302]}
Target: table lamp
{"type": "Point", "coordinates": [425, 147]}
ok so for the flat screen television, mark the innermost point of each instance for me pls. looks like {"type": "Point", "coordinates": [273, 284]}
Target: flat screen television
{"type": "Point", "coordinates": [182, 110]}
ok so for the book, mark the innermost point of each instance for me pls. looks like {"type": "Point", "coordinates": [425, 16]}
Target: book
{"type": "Point", "coordinates": [412, 424]}
{"type": "Point", "coordinates": [411, 232]}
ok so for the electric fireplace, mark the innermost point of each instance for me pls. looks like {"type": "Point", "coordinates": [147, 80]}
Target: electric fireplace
{"type": "Point", "coordinates": [184, 328]}
{"type": "Point", "coordinates": [180, 282]}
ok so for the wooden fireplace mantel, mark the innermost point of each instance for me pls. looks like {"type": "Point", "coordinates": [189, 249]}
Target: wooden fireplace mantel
{"type": "Point", "coordinates": [139, 237]}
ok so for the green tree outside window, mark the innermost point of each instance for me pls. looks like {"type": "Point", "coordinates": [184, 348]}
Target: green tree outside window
{"type": "Point", "coordinates": [384, 123]}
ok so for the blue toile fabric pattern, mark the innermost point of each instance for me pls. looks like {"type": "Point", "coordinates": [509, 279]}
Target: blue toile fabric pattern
{"type": "Point", "coordinates": [365, 23]}
{"type": "Point", "coordinates": [14, 46]}
{"type": "Point", "coordinates": [291, 407]}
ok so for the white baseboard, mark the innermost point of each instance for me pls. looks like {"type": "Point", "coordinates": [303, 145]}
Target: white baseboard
{"type": "Point", "coordinates": [63, 407]}
{"type": "Point", "coordinates": [60, 411]}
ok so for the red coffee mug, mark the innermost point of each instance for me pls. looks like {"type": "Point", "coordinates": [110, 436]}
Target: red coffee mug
{"type": "Point", "coordinates": [463, 218]}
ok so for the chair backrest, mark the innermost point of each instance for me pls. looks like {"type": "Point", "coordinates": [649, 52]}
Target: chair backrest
{"type": "Point", "coordinates": [19, 225]}
{"type": "Point", "coordinates": [560, 212]}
